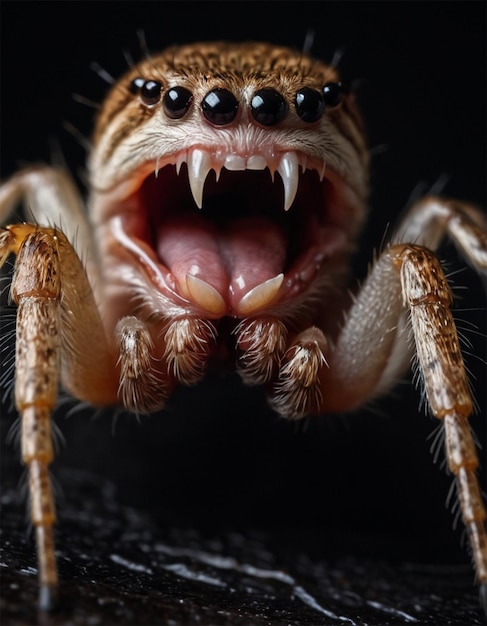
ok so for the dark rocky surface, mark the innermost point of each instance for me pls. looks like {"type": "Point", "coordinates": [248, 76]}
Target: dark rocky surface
{"type": "Point", "coordinates": [119, 566]}
{"type": "Point", "coordinates": [224, 517]}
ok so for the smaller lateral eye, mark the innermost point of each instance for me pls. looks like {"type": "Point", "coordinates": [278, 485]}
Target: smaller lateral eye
{"type": "Point", "coordinates": [136, 85]}
{"type": "Point", "coordinates": [176, 102]}
{"type": "Point", "coordinates": [150, 92]}
{"type": "Point", "coordinates": [309, 104]}
{"type": "Point", "coordinates": [332, 94]}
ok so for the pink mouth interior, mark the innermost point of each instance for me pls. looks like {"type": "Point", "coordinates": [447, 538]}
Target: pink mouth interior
{"type": "Point", "coordinates": [242, 236]}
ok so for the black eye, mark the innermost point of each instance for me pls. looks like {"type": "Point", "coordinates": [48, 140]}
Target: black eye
{"type": "Point", "coordinates": [309, 104]}
{"type": "Point", "coordinates": [150, 92]}
{"type": "Point", "coordinates": [268, 106]}
{"type": "Point", "coordinates": [176, 102]}
{"type": "Point", "coordinates": [136, 85]}
{"type": "Point", "coordinates": [333, 94]}
{"type": "Point", "coordinates": [219, 106]}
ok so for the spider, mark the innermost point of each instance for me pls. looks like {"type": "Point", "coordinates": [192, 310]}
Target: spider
{"type": "Point", "coordinates": [228, 186]}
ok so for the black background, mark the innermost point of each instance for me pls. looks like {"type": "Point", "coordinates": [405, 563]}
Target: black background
{"type": "Point", "coordinates": [218, 457]}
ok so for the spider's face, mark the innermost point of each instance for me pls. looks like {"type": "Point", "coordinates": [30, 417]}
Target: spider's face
{"type": "Point", "coordinates": [233, 175]}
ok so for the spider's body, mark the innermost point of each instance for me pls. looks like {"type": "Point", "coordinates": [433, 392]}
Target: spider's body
{"type": "Point", "coordinates": [195, 252]}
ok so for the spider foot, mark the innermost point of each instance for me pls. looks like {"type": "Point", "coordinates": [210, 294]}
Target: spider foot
{"type": "Point", "coordinates": [48, 597]}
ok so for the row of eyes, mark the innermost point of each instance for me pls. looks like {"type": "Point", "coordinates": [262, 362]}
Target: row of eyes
{"type": "Point", "coordinates": [219, 106]}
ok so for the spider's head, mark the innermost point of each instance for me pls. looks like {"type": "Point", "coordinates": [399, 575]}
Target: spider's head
{"type": "Point", "coordinates": [232, 173]}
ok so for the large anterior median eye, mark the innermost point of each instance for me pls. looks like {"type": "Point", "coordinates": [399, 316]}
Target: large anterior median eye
{"type": "Point", "coordinates": [176, 102]}
{"type": "Point", "coordinates": [309, 104]}
{"type": "Point", "coordinates": [219, 106]}
{"type": "Point", "coordinates": [268, 106]}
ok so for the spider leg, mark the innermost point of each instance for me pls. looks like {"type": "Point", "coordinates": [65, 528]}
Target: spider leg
{"type": "Point", "coordinates": [36, 290]}
{"type": "Point", "coordinates": [428, 299]}
{"type": "Point", "coordinates": [51, 199]}
{"type": "Point", "coordinates": [56, 314]}
{"type": "Point", "coordinates": [426, 223]}
{"type": "Point", "coordinates": [371, 351]}
{"type": "Point", "coordinates": [58, 333]}
{"type": "Point", "coordinates": [429, 220]}
{"type": "Point", "coordinates": [406, 289]}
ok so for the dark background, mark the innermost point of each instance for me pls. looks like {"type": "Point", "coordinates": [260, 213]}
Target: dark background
{"type": "Point", "coordinates": [218, 458]}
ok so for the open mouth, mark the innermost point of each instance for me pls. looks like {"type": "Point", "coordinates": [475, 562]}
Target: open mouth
{"type": "Point", "coordinates": [232, 234]}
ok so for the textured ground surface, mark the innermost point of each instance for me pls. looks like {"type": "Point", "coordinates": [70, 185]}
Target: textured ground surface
{"type": "Point", "coordinates": [119, 567]}
{"type": "Point", "coordinates": [223, 518]}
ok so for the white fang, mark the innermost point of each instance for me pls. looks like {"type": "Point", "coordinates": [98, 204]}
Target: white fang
{"type": "Point", "coordinates": [289, 171]}
{"type": "Point", "coordinates": [199, 164]}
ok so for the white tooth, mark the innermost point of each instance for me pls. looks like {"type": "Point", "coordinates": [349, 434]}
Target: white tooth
{"type": "Point", "coordinates": [156, 171]}
{"type": "Point", "coordinates": [289, 171]}
{"type": "Point", "coordinates": [181, 158]}
{"type": "Point", "coordinates": [205, 295]}
{"type": "Point", "coordinates": [260, 296]}
{"type": "Point", "coordinates": [256, 162]}
{"type": "Point", "coordinates": [199, 164]}
{"type": "Point", "coordinates": [234, 162]}
{"type": "Point", "coordinates": [322, 173]}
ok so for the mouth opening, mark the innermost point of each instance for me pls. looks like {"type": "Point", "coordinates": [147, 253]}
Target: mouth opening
{"type": "Point", "coordinates": [241, 252]}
